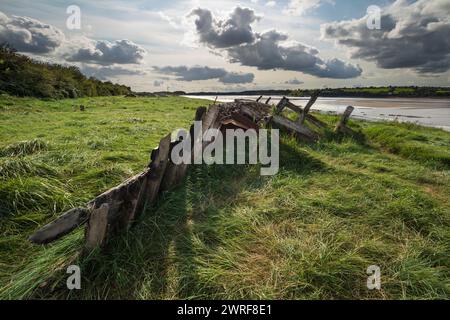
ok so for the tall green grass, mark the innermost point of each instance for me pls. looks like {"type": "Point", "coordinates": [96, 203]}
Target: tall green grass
{"type": "Point", "coordinates": [335, 208]}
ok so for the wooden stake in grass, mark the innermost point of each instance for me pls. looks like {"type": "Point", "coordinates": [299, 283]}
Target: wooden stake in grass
{"type": "Point", "coordinates": [97, 227]}
{"type": "Point", "coordinates": [342, 125]}
{"type": "Point", "coordinates": [170, 176]}
{"type": "Point", "coordinates": [158, 166]}
{"type": "Point", "coordinates": [291, 126]}
{"type": "Point", "coordinates": [281, 105]}
{"type": "Point", "coordinates": [60, 227]}
{"type": "Point", "coordinates": [306, 110]}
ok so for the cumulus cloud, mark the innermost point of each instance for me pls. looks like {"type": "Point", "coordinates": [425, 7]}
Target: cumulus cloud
{"type": "Point", "coordinates": [269, 50]}
{"type": "Point", "coordinates": [29, 35]}
{"type": "Point", "coordinates": [197, 73]}
{"type": "Point", "coordinates": [105, 52]}
{"type": "Point", "coordinates": [108, 72]}
{"type": "Point", "coordinates": [219, 33]}
{"type": "Point", "coordinates": [412, 35]}
{"type": "Point", "coordinates": [233, 77]}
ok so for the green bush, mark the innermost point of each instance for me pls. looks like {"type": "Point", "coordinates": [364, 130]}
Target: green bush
{"type": "Point", "coordinates": [23, 76]}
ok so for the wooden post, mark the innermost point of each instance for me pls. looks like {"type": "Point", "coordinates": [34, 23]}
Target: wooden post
{"type": "Point", "coordinates": [170, 176]}
{"type": "Point", "coordinates": [259, 99]}
{"type": "Point", "coordinates": [268, 100]}
{"type": "Point", "coordinates": [306, 110]}
{"type": "Point", "coordinates": [342, 125]}
{"type": "Point", "coordinates": [294, 108]}
{"type": "Point", "coordinates": [62, 226]}
{"type": "Point", "coordinates": [315, 121]}
{"type": "Point", "coordinates": [294, 127]}
{"type": "Point", "coordinates": [282, 104]}
{"type": "Point", "coordinates": [97, 227]}
{"type": "Point", "coordinates": [157, 168]}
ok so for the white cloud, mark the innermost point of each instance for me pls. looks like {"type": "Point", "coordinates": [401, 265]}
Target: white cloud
{"type": "Point", "coordinates": [29, 35]}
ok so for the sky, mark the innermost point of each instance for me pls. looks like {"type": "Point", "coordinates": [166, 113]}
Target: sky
{"type": "Point", "coordinates": [222, 45]}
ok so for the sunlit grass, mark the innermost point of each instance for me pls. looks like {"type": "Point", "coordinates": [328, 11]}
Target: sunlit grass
{"type": "Point", "coordinates": [310, 232]}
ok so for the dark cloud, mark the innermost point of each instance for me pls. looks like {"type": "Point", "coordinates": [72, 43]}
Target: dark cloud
{"type": "Point", "coordinates": [105, 52]}
{"type": "Point", "coordinates": [294, 82]}
{"type": "Point", "coordinates": [225, 33]}
{"type": "Point", "coordinates": [266, 53]}
{"type": "Point", "coordinates": [268, 50]}
{"type": "Point", "coordinates": [198, 73]}
{"type": "Point", "coordinates": [412, 35]}
{"type": "Point", "coordinates": [234, 77]}
{"type": "Point", "coordinates": [29, 35]}
{"type": "Point", "coordinates": [108, 73]}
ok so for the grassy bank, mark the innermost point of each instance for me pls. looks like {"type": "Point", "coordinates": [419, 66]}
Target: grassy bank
{"type": "Point", "coordinates": [310, 232]}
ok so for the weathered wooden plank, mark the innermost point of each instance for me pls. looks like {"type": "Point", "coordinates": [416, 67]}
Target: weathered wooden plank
{"type": "Point", "coordinates": [241, 121]}
{"type": "Point", "coordinates": [62, 226]}
{"type": "Point", "coordinates": [210, 117]}
{"type": "Point", "coordinates": [170, 175]}
{"type": "Point", "coordinates": [294, 127]}
{"type": "Point", "coordinates": [255, 111]}
{"type": "Point", "coordinates": [342, 125]}
{"type": "Point", "coordinates": [293, 107]}
{"type": "Point", "coordinates": [312, 119]}
{"type": "Point", "coordinates": [281, 105]}
{"type": "Point", "coordinates": [199, 113]}
{"type": "Point", "coordinates": [306, 109]}
{"type": "Point", "coordinates": [97, 227]}
{"type": "Point", "coordinates": [120, 191]}
{"type": "Point", "coordinates": [141, 200]}
{"type": "Point", "coordinates": [157, 169]}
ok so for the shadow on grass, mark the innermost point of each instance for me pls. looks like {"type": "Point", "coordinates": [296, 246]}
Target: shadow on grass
{"type": "Point", "coordinates": [157, 257]}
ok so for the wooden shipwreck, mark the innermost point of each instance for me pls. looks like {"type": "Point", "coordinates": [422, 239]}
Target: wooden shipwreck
{"type": "Point", "coordinates": [117, 209]}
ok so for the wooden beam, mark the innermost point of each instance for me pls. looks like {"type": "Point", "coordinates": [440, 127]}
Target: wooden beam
{"type": "Point", "coordinates": [342, 125]}
{"type": "Point", "coordinates": [120, 191]}
{"type": "Point", "coordinates": [97, 228]}
{"type": "Point", "coordinates": [306, 109]}
{"type": "Point", "coordinates": [293, 107]}
{"type": "Point", "coordinates": [157, 168]}
{"type": "Point", "coordinates": [170, 176]}
{"type": "Point", "coordinates": [210, 117]}
{"type": "Point", "coordinates": [62, 226]}
{"type": "Point", "coordinates": [281, 105]}
{"type": "Point", "coordinates": [294, 127]}
{"type": "Point", "coordinates": [318, 123]}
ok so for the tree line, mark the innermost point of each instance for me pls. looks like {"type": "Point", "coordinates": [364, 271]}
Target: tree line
{"type": "Point", "coordinates": [25, 77]}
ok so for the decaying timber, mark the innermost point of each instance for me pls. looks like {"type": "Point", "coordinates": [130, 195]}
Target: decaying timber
{"type": "Point", "coordinates": [342, 125]}
{"type": "Point", "coordinates": [60, 227]}
{"type": "Point", "coordinates": [116, 209]}
{"type": "Point", "coordinates": [291, 126]}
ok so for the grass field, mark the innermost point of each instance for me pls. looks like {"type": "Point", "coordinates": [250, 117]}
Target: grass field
{"type": "Point", "coordinates": [310, 232]}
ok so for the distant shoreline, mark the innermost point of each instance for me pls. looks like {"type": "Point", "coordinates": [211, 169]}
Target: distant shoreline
{"type": "Point", "coordinates": [366, 92]}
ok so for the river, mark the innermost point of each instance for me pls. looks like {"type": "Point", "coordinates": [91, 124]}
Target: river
{"type": "Point", "coordinates": [423, 111]}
